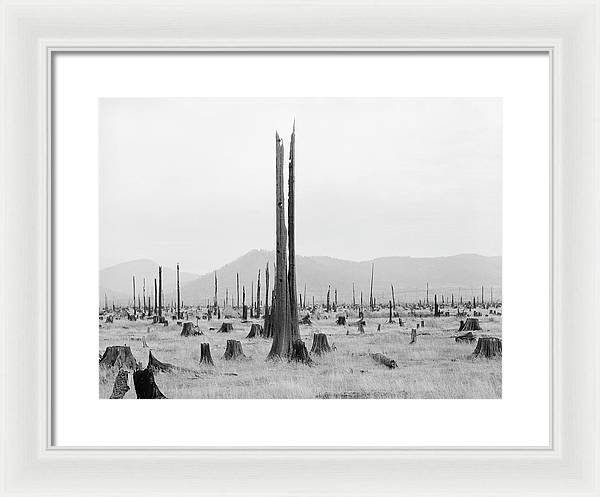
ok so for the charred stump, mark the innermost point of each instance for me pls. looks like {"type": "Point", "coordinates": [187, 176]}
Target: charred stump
{"type": "Point", "coordinates": [109, 319]}
{"type": "Point", "coordinates": [471, 324]}
{"type": "Point", "coordinates": [300, 353]}
{"type": "Point", "coordinates": [488, 347]}
{"type": "Point", "coordinates": [205, 357]}
{"type": "Point", "coordinates": [413, 336]}
{"type": "Point", "coordinates": [190, 330]}
{"type": "Point", "coordinates": [120, 357]}
{"type": "Point", "coordinates": [361, 327]}
{"type": "Point", "coordinates": [341, 321]}
{"type": "Point", "coordinates": [145, 386]}
{"type": "Point", "coordinates": [256, 330]}
{"type": "Point", "coordinates": [320, 344]}
{"type": "Point", "coordinates": [225, 328]}
{"type": "Point", "coordinates": [233, 350]}
{"type": "Point", "coordinates": [155, 365]}
{"type": "Point", "coordinates": [121, 386]}
{"type": "Point", "coordinates": [385, 360]}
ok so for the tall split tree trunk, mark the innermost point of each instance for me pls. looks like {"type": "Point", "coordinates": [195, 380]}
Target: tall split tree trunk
{"type": "Point", "coordinates": [178, 295]}
{"type": "Point", "coordinates": [295, 330]}
{"type": "Point", "coordinates": [160, 296]}
{"type": "Point", "coordinates": [258, 296]}
{"type": "Point", "coordinates": [267, 291]}
{"type": "Point", "coordinates": [371, 301]}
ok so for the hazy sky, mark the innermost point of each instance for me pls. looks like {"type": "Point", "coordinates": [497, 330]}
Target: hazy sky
{"type": "Point", "coordinates": [193, 180]}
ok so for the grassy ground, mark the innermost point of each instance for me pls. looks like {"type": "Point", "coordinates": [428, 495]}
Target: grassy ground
{"type": "Point", "coordinates": [434, 367]}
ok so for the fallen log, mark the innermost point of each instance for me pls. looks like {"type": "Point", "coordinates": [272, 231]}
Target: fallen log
{"type": "Point", "coordinates": [383, 359]}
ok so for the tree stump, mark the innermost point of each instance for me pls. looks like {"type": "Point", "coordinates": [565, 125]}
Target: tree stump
{"type": "Point", "coordinates": [413, 336]}
{"type": "Point", "coordinates": [320, 344]}
{"type": "Point", "coordinates": [461, 326]}
{"type": "Point", "coordinates": [109, 319]}
{"type": "Point", "coordinates": [488, 347]}
{"type": "Point", "coordinates": [145, 386]}
{"type": "Point", "coordinates": [379, 327]}
{"type": "Point", "coordinates": [361, 327]}
{"type": "Point", "coordinates": [341, 321]}
{"type": "Point", "coordinates": [471, 324]}
{"type": "Point", "coordinates": [189, 330]}
{"type": "Point", "coordinates": [119, 356]}
{"type": "Point", "coordinates": [256, 330]}
{"type": "Point", "coordinates": [225, 328]}
{"type": "Point", "coordinates": [233, 350]}
{"type": "Point", "coordinates": [386, 361]}
{"type": "Point", "coordinates": [245, 312]}
{"type": "Point", "coordinates": [205, 357]}
{"type": "Point", "coordinates": [400, 322]}
{"type": "Point", "coordinates": [155, 365]}
{"type": "Point", "coordinates": [306, 320]}
{"type": "Point", "coordinates": [300, 353]}
{"type": "Point", "coordinates": [422, 323]}
{"type": "Point", "coordinates": [121, 386]}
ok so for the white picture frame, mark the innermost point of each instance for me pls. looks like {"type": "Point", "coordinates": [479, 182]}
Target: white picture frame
{"type": "Point", "coordinates": [32, 32]}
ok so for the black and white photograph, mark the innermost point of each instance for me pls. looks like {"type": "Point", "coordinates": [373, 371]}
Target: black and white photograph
{"type": "Point", "coordinates": [300, 248]}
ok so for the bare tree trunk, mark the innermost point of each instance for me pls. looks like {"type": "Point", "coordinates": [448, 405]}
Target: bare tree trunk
{"type": "Point", "coordinates": [178, 295]}
{"type": "Point", "coordinates": [353, 296]}
{"type": "Point", "coordinates": [393, 298]}
{"type": "Point", "coordinates": [134, 296]}
{"type": "Point", "coordinates": [155, 298]}
{"type": "Point", "coordinates": [160, 298]}
{"type": "Point", "coordinates": [293, 298]}
{"type": "Point", "coordinates": [237, 286]}
{"type": "Point", "coordinates": [216, 303]}
{"type": "Point", "coordinates": [371, 301]}
{"type": "Point", "coordinates": [282, 343]}
{"type": "Point", "coordinates": [258, 296]}
{"type": "Point", "coordinates": [267, 291]}
{"type": "Point", "coordinates": [328, 304]}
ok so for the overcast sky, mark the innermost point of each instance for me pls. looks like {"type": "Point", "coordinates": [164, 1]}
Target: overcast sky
{"type": "Point", "coordinates": [193, 180]}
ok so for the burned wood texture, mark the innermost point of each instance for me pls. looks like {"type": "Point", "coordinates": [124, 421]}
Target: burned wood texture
{"type": "Point", "coordinates": [233, 350]}
{"type": "Point", "coordinates": [145, 386]}
{"type": "Point", "coordinates": [121, 386]}
{"type": "Point", "coordinates": [120, 357]}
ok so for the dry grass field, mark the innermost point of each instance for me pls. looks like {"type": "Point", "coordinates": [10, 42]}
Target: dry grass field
{"type": "Point", "coordinates": [434, 367]}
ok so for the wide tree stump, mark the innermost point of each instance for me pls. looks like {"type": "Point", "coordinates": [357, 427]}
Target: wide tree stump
{"type": "Point", "coordinates": [189, 330]}
{"type": "Point", "coordinates": [488, 347]}
{"type": "Point", "coordinates": [471, 324]}
{"type": "Point", "coordinates": [341, 321]}
{"type": "Point", "coordinates": [119, 356]}
{"type": "Point", "coordinates": [155, 365]}
{"type": "Point", "coordinates": [413, 336]}
{"type": "Point", "coordinates": [145, 386]}
{"type": "Point", "coordinates": [233, 350]}
{"type": "Point", "coordinates": [385, 360]}
{"type": "Point", "coordinates": [225, 328]}
{"type": "Point", "coordinates": [109, 319]}
{"type": "Point", "coordinates": [121, 386]}
{"type": "Point", "coordinates": [205, 357]}
{"type": "Point", "coordinates": [300, 353]}
{"type": "Point", "coordinates": [256, 330]}
{"type": "Point", "coordinates": [467, 337]}
{"type": "Point", "coordinates": [320, 344]}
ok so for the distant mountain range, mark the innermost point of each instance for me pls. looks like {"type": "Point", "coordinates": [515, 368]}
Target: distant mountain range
{"type": "Point", "coordinates": [463, 275]}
